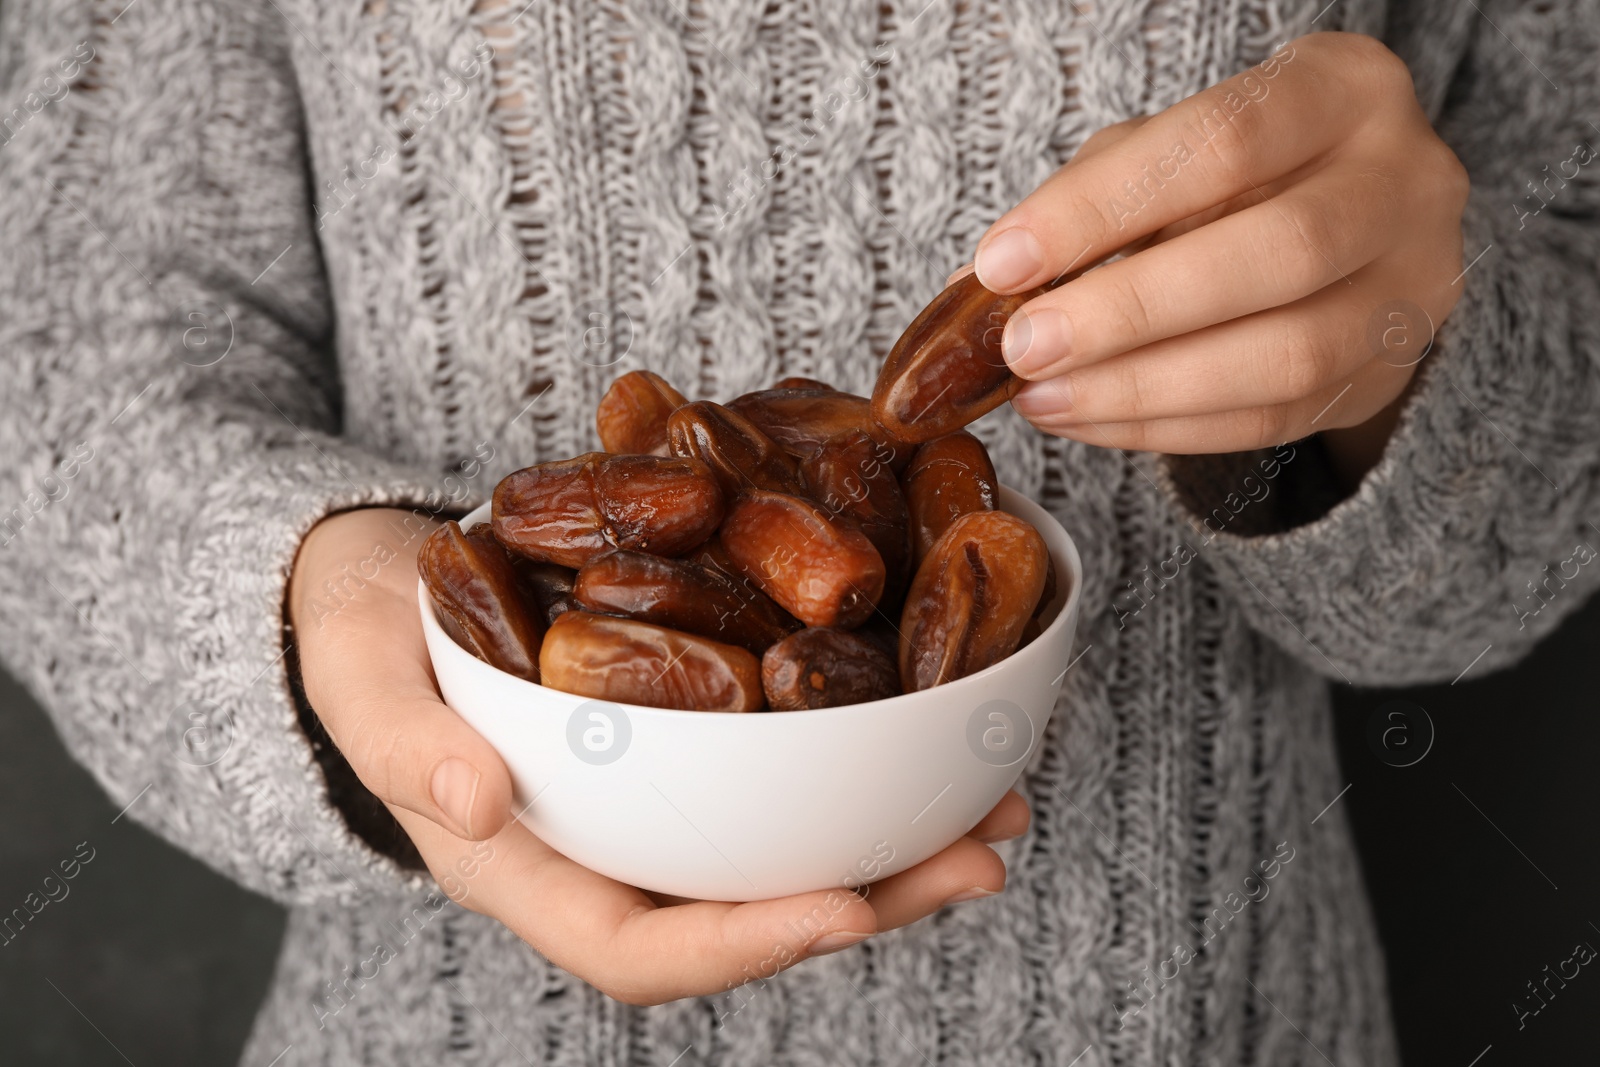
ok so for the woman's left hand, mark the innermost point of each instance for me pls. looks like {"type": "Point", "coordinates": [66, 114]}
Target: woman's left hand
{"type": "Point", "coordinates": [1298, 236]}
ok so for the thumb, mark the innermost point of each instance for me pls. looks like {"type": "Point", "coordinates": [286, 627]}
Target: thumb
{"type": "Point", "coordinates": [368, 677]}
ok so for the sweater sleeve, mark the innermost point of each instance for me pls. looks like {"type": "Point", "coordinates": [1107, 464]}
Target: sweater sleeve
{"type": "Point", "coordinates": [1476, 532]}
{"type": "Point", "coordinates": [169, 424]}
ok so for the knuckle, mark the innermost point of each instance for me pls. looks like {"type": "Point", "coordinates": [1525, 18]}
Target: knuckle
{"type": "Point", "coordinates": [1386, 191]}
{"type": "Point", "coordinates": [1131, 308]}
{"type": "Point", "coordinates": [1231, 133]}
{"type": "Point", "coordinates": [1454, 184]}
{"type": "Point", "coordinates": [1230, 157]}
{"type": "Point", "coordinates": [1389, 71]}
{"type": "Point", "coordinates": [1270, 425]}
{"type": "Point", "coordinates": [1300, 250]}
{"type": "Point", "coordinates": [1375, 59]}
{"type": "Point", "coordinates": [1085, 216]}
{"type": "Point", "coordinates": [372, 747]}
{"type": "Point", "coordinates": [1129, 393]}
{"type": "Point", "coordinates": [1303, 363]}
{"type": "Point", "coordinates": [1128, 315]}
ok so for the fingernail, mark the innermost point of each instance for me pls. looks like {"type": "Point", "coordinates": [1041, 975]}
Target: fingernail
{"type": "Point", "coordinates": [835, 942]}
{"type": "Point", "coordinates": [454, 788]}
{"type": "Point", "coordinates": [995, 839]}
{"type": "Point", "coordinates": [1035, 339]}
{"type": "Point", "coordinates": [975, 893]}
{"type": "Point", "coordinates": [1009, 260]}
{"type": "Point", "coordinates": [1044, 398]}
{"type": "Point", "coordinates": [957, 275]}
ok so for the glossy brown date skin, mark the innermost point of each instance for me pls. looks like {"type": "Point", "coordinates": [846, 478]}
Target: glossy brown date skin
{"type": "Point", "coordinates": [473, 585]}
{"type": "Point", "coordinates": [971, 599]}
{"type": "Point", "coordinates": [822, 571]}
{"type": "Point", "coordinates": [714, 556]}
{"type": "Point", "coordinates": [849, 475]}
{"type": "Point", "coordinates": [550, 512]}
{"type": "Point", "coordinates": [737, 451]}
{"type": "Point", "coordinates": [947, 478]}
{"type": "Point", "coordinates": [548, 584]}
{"type": "Point", "coordinates": [632, 416]}
{"type": "Point", "coordinates": [800, 420]}
{"type": "Point", "coordinates": [633, 662]}
{"type": "Point", "coordinates": [570, 511]}
{"type": "Point", "coordinates": [825, 668]}
{"type": "Point", "coordinates": [946, 370]}
{"type": "Point", "coordinates": [660, 504]}
{"type": "Point", "coordinates": [681, 595]}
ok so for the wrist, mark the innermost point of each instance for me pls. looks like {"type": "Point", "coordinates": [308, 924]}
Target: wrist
{"type": "Point", "coordinates": [352, 553]}
{"type": "Point", "coordinates": [1354, 450]}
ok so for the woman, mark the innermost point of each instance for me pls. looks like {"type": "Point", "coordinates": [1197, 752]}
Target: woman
{"type": "Point", "coordinates": [288, 283]}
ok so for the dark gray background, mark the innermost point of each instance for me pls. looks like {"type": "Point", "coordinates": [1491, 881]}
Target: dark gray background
{"type": "Point", "coordinates": [168, 960]}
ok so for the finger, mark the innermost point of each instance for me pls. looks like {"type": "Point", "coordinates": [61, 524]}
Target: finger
{"type": "Point", "coordinates": [613, 937]}
{"type": "Point", "coordinates": [1215, 145]}
{"type": "Point", "coordinates": [1008, 819]}
{"type": "Point", "coordinates": [1248, 198]}
{"type": "Point", "coordinates": [1099, 141]}
{"type": "Point", "coordinates": [1320, 231]}
{"type": "Point", "coordinates": [965, 871]}
{"type": "Point", "coordinates": [1271, 357]}
{"type": "Point", "coordinates": [1348, 403]}
{"type": "Point", "coordinates": [381, 708]}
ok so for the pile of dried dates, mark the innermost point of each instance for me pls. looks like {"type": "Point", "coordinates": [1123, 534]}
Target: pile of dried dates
{"type": "Point", "coordinates": [798, 547]}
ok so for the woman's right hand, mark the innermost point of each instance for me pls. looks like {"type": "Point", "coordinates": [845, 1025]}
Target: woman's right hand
{"type": "Point", "coordinates": [366, 672]}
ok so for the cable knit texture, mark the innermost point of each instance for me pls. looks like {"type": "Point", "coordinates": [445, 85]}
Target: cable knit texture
{"type": "Point", "coordinates": [428, 231]}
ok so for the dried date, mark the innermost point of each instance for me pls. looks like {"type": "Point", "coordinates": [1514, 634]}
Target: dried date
{"type": "Point", "coordinates": [472, 583]}
{"type": "Point", "coordinates": [849, 475]}
{"type": "Point", "coordinates": [681, 595]}
{"type": "Point", "coordinates": [549, 584]}
{"type": "Point", "coordinates": [632, 416]}
{"type": "Point", "coordinates": [947, 478]}
{"type": "Point", "coordinates": [737, 451]}
{"type": "Point", "coordinates": [822, 571]}
{"type": "Point", "coordinates": [664, 505]}
{"type": "Point", "coordinates": [800, 420]}
{"type": "Point", "coordinates": [947, 370]}
{"type": "Point", "coordinates": [568, 512]}
{"type": "Point", "coordinates": [971, 599]}
{"type": "Point", "coordinates": [825, 668]}
{"type": "Point", "coordinates": [550, 512]}
{"type": "Point", "coordinates": [634, 662]}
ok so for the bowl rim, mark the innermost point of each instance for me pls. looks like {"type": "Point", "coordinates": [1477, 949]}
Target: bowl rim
{"type": "Point", "coordinates": [1009, 499]}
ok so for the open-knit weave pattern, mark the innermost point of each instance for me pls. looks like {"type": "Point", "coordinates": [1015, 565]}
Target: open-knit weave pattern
{"type": "Point", "coordinates": [403, 218]}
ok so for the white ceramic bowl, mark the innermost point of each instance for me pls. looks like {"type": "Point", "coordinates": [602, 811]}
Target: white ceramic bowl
{"type": "Point", "coordinates": [750, 807]}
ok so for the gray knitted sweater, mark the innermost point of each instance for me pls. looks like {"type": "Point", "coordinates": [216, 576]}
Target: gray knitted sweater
{"type": "Point", "coordinates": [264, 261]}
